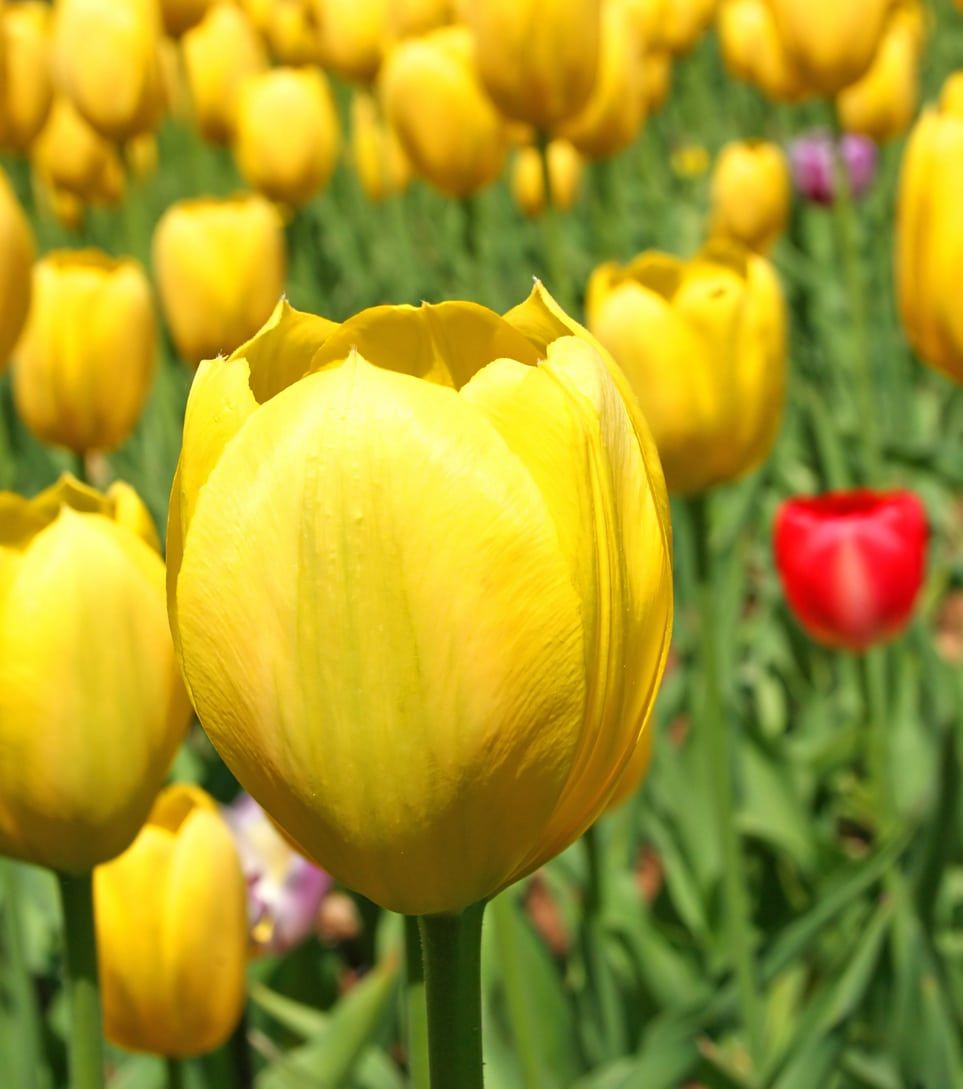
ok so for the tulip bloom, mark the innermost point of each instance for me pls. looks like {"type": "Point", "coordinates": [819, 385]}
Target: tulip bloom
{"type": "Point", "coordinates": [220, 266]}
{"type": "Point", "coordinates": [86, 358]}
{"type": "Point", "coordinates": [703, 344]}
{"type": "Point", "coordinates": [812, 158]}
{"type": "Point", "coordinates": [751, 190]}
{"type": "Point", "coordinates": [352, 36]}
{"type": "Point", "coordinates": [71, 155]}
{"type": "Point", "coordinates": [852, 563]}
{"type": "Point", "coordinates": [92, 706]}
{"type": "Point", "coordinates": [411, 18]}
{"type": "Point", "coordinates": [565, 168]}
{"type": "Point", "coordinates": [379, 159]}
{"type": "Point", "coordinates": [753, 51]}
{"type": "Point", "coordinates": [427, 732]}
{"type": "Point", "coordinates": [16, 259]}
{"type": "Point", "coordinates": [685, 22]}
{"type": "Point", "coordinates": [26, 89]}
{"type": "Point", "coordinates": [292, 33]}
{"type": "Point", "coordinates": [171, 918]}
{"type": "Point", "coordinates": [451, 132]}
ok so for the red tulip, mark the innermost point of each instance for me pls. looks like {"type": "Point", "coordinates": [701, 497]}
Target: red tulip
{"type": "Point", "coordinates": [851, 563]}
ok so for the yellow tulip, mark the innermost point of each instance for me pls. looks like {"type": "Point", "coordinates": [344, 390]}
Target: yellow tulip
{"type": "Point", "coordinates": [172, 931]}
{"type": "Point", "coordinates": [427, 730]}
{"type": "Point", "coordinates": [753, 51]}
{"type": "Point", "coordinates": [636, 771]}
{"type": "Point", "coordinates": [703, 346]}
{"type": "Point", "coordinates": [656, 80]}
{"type": "Point", "coordinates": [650, 18]}
{"type": "Point", "coordinates": [292, 32]}
{"type": "Point", "coordinates": [449, 128]}
{"type": "Point", "coordinates": [181, 15]}
{"type": "Point", "coordinates": [286, 138]}
{"type": "Point", "coordinates": [376, 152]}
{"type": "Point", "coordinates": [106, 60]}
{"type": "Point", "coordinates": [86, 358]}
{"type": "Point", "coordinates": [27, 90]}
{"type": "Point", "coordinates": [220, 266]}
{"type": "Point", "coordinates": [929, 234]}
{"type": "Point", "coordinates": [352, 36]}
{"type": "Point", "coordinates": [220, 53]}
{"type": "Point", "coordinates": [537, 58]}
{"type": "Point", "coordinates": [142, 155]}
{"type": "Point", "coordinates": [71, 155]}
{"type": "Point", "coordinates": [831, 44]}
{"type": "Point", "coordinates": [16, 258]}
{"type": "Point", "coordinates": [751, 193]}
{"type": "Point", "coordinates": [686, 22]}
{"type": "Point", "coordinates": [409, 18]}
{"type": "Point", "coordinates": [565, 168]}
{"type": "Point", "coordinates": [91, 702]}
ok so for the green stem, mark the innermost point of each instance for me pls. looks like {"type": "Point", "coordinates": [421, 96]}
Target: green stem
{"type": "Point", "coordinates": [721, 752]}
{"type": "Point", "coordinates": [517, 995]}
{"type": "Point", "coordinates": [80, 467]}
{"type": "Point", "coordinates": [175, 1073]}
{"type": "Point", "coordinates": [556, 271]}
{"type": "Point", "coordinates": [601, 983]}
{"type": "Point", "coordinates": [873, 676]}
{"type": "Point", "coordinates": [241, 1054]}
{"type": "Point", "coordinates": [451, 947]}
{"type": "Point", "coordinates": [416, 1014]}
{"type": "Point", "coordinates": [28, 1053]}
{"type": "Point", "coordinates": [80, 939]}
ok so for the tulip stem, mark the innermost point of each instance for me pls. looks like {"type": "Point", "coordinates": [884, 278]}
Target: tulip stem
{"type": "Point", "coordinates": [451, 947]}
{"type": "Point", "coordinates": [80, 467]}
{"type": "Point", "coordinates": [721, 753]}
{"type": "Point", "coordinates": [175, 1073]}
{"type": "Point", "coordinates": [602, 984]}
{"type": "Point", "coordinates": [875, 707]}
{"type": "Point", "coordinates": [415, 1012]}
{"type": "Point", "coordinates": [80, 947]}
{"type": "Point", "coordinates": [556, 272]}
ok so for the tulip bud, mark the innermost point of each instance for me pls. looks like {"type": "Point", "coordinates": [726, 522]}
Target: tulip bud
{"type": "Point", "coordinates": [70, 154]}
{"type": "Point", "coordinates": [172, 931]}
{"type": "Point", "coordinates": [292, 32]}
{"type": "Point", "coordinates": [852, 563]}
{"type": "Point", "coordinates": [816, 158]}
{"type": "Point", "coordinates": [352, 36]}
{"type": "Point", "coordinates": [449, 129]}
{"type": "Point", "coordinates": [750, 194]}
{"type": "Point", "coordinates": [26, 90]}
{"type": "Point", "coordinates": [92, 706]}
{"type": "Point", "coordinates": [16, 258]}
{"type": "Point", "coordinates": [376, 152]}
{"type": "Point", "coordinates": [220, 266]}
{"type": "Point", "coordinates": [754, 52]}
{"type": "Point", "coordinates": [537, 58]}
{"type": "Point", "coordinates": [492, 719]}
{"type": "Point", "coordinates": [220, 53]}
{"type": "Point", "coordinates": [411, 18]}
{"type": "Point", "coordinates": [180, 15]}
{"type": "Point", "coordinates": [565, 168]}
{"type": "Point", "coordinates": [703, 344]}
{"type": "Point", "coordinates": [286, 138]}
{"type": "Point", "coordinates": [636, 771]}
{"type": "Point", "coordinates": [686, 22]}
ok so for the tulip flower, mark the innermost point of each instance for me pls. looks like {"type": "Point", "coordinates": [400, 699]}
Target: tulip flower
{"type": "Point", "coordinates": [26, 90]}
{"type": "Point", "coordinates": [449, 128]}
{"type": "Point", "coordinates": [685, 22]}
{"type": "Point", "coordinates": [656, 80]}
{"type": "Point", "coordinates": [428, 733]}
{"type": "Point", "coordinates": [286, 138]}
{"type": "Point", "coordinates": [220, 266]}
{"type": "Point", "coordinates": [16, 258]}
{"type": "Point", "coordinates": [292, 32]}
{"type": "Point", "coordinates": [565, 168]}
{"type": "Point", "coordinates": [754, 52]}
{"type": "Point", "coordinates": [814, 166]}
{"type": "Point", "coordinates": [929, 238]}
{"type": "Point", "coordinates": [220, 53]}
{"type": "Point", "coordinates": [352, 36]}
{"type": "Point", "coordinates": [852, 563]}
{"type": "Point", "coordinates": [91, 702]}
{"type": "Point", "coordinates": [71, 155]}
{"type": "Point", "coordinates": [411, 18]}
{"type": "Point", "coordinates": [172, 931]}
{"type": "Point", "coordinates": [703, 344]}
{"type": "Point", "coordinates": [284, 889]}
{"type": "Point", "coordinates": [537, 58]}
{"type": "Point", "coordinates": [379, 159]}
{"type": "Point", "coordinates": [751, 189]}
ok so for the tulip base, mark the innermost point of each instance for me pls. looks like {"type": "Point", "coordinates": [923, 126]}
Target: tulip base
{"type": "Point", "coordinates": [451, 951]}
{"type": "Point", "coordinates": [80, 940]}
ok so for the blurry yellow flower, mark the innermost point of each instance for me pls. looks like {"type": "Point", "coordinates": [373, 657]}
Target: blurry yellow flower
{"type": "Point", "coordinates": [537, 58]}
{"type": "Point", "coordinates": [565, 168]}
{"type": "Point", "coordinates": [292, 32]}
{"type": "Point", "coordinates": [286, 139]}
{"type": "Point", "coordinates": [685, 22]}
{"type": "Point", "coordinates": [220, 53]}
{"type": "Point", "coordinates": [69, 154]}
{"type": "Point", "coordinates": [449, 128]}
{"type": "Point", "coordinates": [703, 346]}
{"type": "Point", "coordinates": [754, 52]}
{"type": "Point", "coordinates": [751, 192]}
{"type": "Point", "coordinates": [352, 36]}
{"type": "Point", "coordinates": [656, 79]}
{"type": "Point", "coordinates": [16, 258]}
{"type": "Point", "coordinates": [26, 86]}
{"type": "Point", "coordinates": [106, 60]}
{"type": "Point", "coordinates": [650, 18]}
{"type": "Point", "coordinates": [220, 266]}
{"type": "Point", "coordinates": [67, 208]}
{"type": "Point", "coordinates": [142, 155]}
{"type": "Point", "coordinates": [91, 702]}
{"type": "Point", "coordinates": [690, 160]}
{"type": "Point", "coordinates": [929, 233]}
{"type": "Point", "coordinates": [376, 152]}
{"type": "Point", "coordinates": [181, 15]}
{"type": "Point", "coordinates": [172, 930]}
{"type": "Point", "coordinates": [513, 672]}
{"type": "Point", "coordinates": [409, 18]}
{"type": "Point", "coordinates": [86, 358]}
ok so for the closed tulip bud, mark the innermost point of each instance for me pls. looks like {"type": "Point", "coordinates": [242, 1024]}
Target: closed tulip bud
{"type": "Point", "coordinates": [106, 60]}
{"type": "Point", "coordinates": [92, 706]}
{"type": "Point", "coordinates": [172, 931]}
{"type": "Point", "coordinates": [753, 51]}
{"type": "Point", "coordinates": [751, 188]}
{"type": "Point", "coordinates": [26, 90]}
{"type": "Point", "coordinates": [852, 563]}
{"type": "Point", "coordinates": [650, 18]}
{"type": "Point", "coordinates": [448, 126]}
{"type": "Point", "coordinates": [929, 238]}
{"type": "Point", "coordinates": [292, 32]}
{"type": "Point", "coordinates": [220, 53]}
{"type": "Point", "coordinates": [142, 155]}
{"type": "Point", "coordinates": [16, 259]}
{"type": "Point", "coordinates": [67, 208]}
{"type": "Point", "coordinates": [831, 44]}
{"type": "Point", "coordinates": [410, 18]}
{"type": "Point", "coordinates": [69, 154]}
{"type": "Point", "coordinates": [352, 36]}
{"type": "Point", "coordinates": [220, 266]}
{"type": "Point", "coordinates": [286, 138]}
{"type": "Point", "coordinates": [703, 344]}
{"type": "Point", "coordinates": [636, 771]}
{"type": "Point", "coordinates": [686, 22]}
{"type": "Point", "coordinates": [565, 168]}
{"type": "Point", "coordinates": [490, 721]}
{"type": "Point", "coordinates": [86, 358]}
{"type": "Point", "coordinates": [181, 15]}
{"type": "Point", "coordinates": [537, 58]}
{"type": "Point", "coordinates": [379, 159]}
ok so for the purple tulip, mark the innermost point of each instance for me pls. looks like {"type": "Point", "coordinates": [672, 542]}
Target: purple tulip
{"type": "Point", "coordinates": [284, 889]}
{"type": "Point", "coordinates": [814, 170]}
